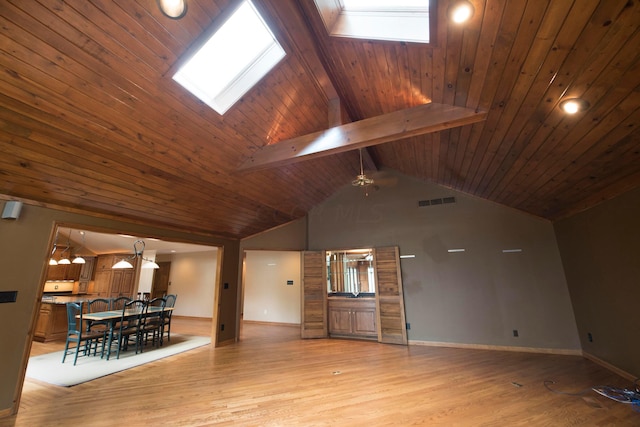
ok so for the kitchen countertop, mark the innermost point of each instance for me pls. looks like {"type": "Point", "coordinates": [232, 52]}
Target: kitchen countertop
{"type": "Point", "coordinates": [63, 299]}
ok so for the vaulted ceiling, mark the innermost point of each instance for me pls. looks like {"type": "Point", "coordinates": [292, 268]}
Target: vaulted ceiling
{"type": "Point", "coordinates": [91, 121]}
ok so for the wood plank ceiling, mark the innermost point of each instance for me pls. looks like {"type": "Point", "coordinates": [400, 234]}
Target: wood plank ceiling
{"type": "Point", "coordinates": [91, 121]}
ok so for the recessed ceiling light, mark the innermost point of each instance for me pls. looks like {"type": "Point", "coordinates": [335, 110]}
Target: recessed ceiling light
{"type": "Point", "coordinates": [461, 11]}
{"type": "Point", "coordinates": [174, 9]}
{"type": "Point", "coordinates": [574, 105]}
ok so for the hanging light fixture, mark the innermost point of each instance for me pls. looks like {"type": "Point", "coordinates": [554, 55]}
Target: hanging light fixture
{"type": "Point", "coordinates": [147, 263]}
{"type": "Point", "coordinates": [138, 249]}
{"type": "Point", "coordinates": [52, 260]}
{"type": "Point", "coordinates": [174, 9]}
{"type": "Point", "coordinates": [64, 259]}
{"type": "Point", "coordinates": [78, 259]}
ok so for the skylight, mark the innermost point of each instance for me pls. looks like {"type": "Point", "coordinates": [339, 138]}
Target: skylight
{"type": "Point", "coordinates": [232, 61]}
{"type": "Point", "coordinates": [395, 20]}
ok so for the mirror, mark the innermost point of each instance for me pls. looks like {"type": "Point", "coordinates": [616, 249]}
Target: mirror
{"type": "Point", "coordinates": [351, 273]}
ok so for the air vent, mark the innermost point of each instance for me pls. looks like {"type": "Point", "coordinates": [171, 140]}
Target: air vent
{"type": "Point", "coordinates": [433, 202]}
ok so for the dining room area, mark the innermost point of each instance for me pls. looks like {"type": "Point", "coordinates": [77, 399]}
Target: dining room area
{"type": "Point", "coordinates": [105, 336]}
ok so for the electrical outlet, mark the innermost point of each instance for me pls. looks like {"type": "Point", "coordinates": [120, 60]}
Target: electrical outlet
{"type": "Point", "coordinates": [590, 337]}
{"type": "Point", "coordinates": [515, 333]}
{"type": "Point", "coordinates": [408, 326]}
{"type": "Point", "coordinates": [222, 327]}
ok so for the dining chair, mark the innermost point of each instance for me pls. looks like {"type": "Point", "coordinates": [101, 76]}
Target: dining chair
{"type": "Point", "coordinates": [78, 335]}
{"type": "Point", "coordinates": [152, 321]}
{"type": "Point", "coordinates": [94, 306]}
{"type": "Point", "coordinates": [119, 302]}
{"type": "Point", "coordinates": [128, 329]}
{"type": "Point", "coordinates": [170, 301]}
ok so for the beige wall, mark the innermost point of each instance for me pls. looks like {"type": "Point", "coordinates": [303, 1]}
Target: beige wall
{"type": "Point", "coordinates": [192, 278]}
{"type": "Point", "coordinates": [24, 247]}
{"type": "Point", "coordinates": [601, 256]}
{"type": "Point", "coordinates": [474, 297]}
{"type": "Point", "coordinates": [267, 295]}
{"type": "Point", "coordinates": [291, 236]}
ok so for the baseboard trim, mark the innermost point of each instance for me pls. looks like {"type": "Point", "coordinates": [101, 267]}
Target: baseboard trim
{"type": "Point", "coordinates": [175, 316]}
{"type": "Point", "coordinates": [259, 322]}
{"type": "Point", "coordinates": [609, 366]}
{"type": "Point", "coordinates": [6, 412]}
{"type": "Point", "coordinates": [562, 351]}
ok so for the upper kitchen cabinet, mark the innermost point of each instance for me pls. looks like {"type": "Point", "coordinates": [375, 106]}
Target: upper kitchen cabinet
{"type": "Point", "coordinates": [64, 272]}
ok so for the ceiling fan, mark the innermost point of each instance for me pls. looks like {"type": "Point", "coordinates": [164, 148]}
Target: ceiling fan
{"type": "Point", "coordinates": [379, 178]}
{"type": "Point", "coordinates": [362, 180]}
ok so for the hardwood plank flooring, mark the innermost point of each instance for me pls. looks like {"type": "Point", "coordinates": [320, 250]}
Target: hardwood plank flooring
{"type": "Point", "coordinates": [273, 378]}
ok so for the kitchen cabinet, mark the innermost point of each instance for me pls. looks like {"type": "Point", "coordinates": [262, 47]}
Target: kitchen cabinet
{"type": "Point", "coordinates": [353, 318]}
{"type": "Point", "coordinates": [86, 275]}
{"type": "Point", "coordinates": [122, 282]}
{"type": "Point", "coordinates": [110, 283]}
{"type": "Point", "coordinates": [86, 272]}
{"type": "Point", "coordinates": [51, 323]}
{"type": "Point", "coordinates": [102, 284]}
{"type": "Point", "coordinates": [64, 272]}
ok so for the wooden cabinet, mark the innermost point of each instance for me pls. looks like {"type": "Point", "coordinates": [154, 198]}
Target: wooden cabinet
{"type": "Point", "coordinates": [86, 275]}
{"type": "Point", "coordinates": [64, 272]}
{"type": "Point", "coordinates": [110, 283]}
{"type": "Point", "coordinates": [122, 282]}
{"type": "Point", "coordinates": [52, 323]}
{"type": "Point", "coordinates": [353, 318]}
{"type": "Point", "coordinates": [104, 263]}
{"type": "Point", "coordinates": [86, 272]}
{"type": "Point", "coordinates": [102, 283]}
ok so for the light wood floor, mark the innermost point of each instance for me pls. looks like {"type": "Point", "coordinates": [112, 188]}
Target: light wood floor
{"type": "Point", "coordinates": [272, 378]}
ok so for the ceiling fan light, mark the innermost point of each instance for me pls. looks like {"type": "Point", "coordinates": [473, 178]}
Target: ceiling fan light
{"type": "Point", "coordinates": [574, 105]}
{"type": "Point", "coordinates": [53, 261]}
{"type": "Point", "coordinates": [78, 260]}
{"type": "Point", "coordinates": [122, 264]}
{"type": "Point", "coordinates": [174, 9]}
{"type": "Point", "coordinates": [64, 261]}
{"type": "Point", "coordinates": [461, 11]}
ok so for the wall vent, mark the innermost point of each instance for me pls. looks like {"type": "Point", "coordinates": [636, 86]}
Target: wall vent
{"type": "Point", "coordinates": [433, 202]}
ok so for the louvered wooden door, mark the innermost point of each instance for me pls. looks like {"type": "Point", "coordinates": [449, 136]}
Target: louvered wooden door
{"type": "Point", "coordinates": [392, 327]}
{"type": "Point", "coordinates": [314, 295]}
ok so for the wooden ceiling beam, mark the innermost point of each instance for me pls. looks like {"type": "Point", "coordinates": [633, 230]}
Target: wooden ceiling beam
{"type": "Point", "coordinates": [389, 127]}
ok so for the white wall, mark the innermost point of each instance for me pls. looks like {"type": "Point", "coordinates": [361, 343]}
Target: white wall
{"type": "Point", "coordinates": [146, 274]}
{"type": "Point", "coordinates": [192, 279]}
{"type": "Point", "coordinates": [267, 297]}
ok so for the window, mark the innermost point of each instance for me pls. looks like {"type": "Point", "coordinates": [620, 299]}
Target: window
{"type": "Point", "coordinates": [232, 61]}
{"type": "Point", "coordinates": [396, 20]}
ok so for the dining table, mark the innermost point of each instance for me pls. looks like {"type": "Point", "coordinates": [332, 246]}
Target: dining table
{"type": "Point", "coordinates": [112, 317]}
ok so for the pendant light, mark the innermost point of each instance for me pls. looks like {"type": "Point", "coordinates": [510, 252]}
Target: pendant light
{"type": "Point", "coordinates": [78, 259]}
{"type": "Point", "coordinates": [64, 259]}
{"type": "Point", "coordinates": [138, 249]}
{"type": "Point", "coordinates": [52, 260]}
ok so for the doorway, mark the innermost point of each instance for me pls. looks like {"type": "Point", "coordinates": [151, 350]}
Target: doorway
{"type": "Point", "coordinates": [160, 284]}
